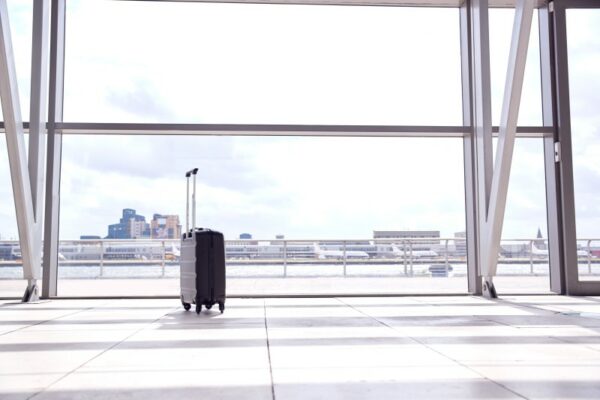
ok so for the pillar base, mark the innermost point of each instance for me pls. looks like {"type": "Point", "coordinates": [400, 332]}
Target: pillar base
{"type": "Point", "coordinates": [489, 290]}
{"type": "Point", "coordinates": [31, 293]}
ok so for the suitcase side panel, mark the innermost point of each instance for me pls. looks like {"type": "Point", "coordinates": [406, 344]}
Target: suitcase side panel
{"type": "Point", "coordinates": [210, 267]}
{"type": "Point", "coordinates": [187, 269]}
{"type": "Point", "coordinates": [219, 267]}
{"type": "Point", "coordinates": [202, 267]}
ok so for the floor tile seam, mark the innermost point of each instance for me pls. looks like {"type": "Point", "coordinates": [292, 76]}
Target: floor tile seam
{"type": "Point", "coordinates": [423, 300]}
{"type": "Point", "coordinates": [457, 362]}
{"type": "Point", "coordinates": [583, 345]}
{"type": "Point", "coordinates": [48, 320]}
{"type": "Point", "coordinates": [99, 354]}
{"type": "Point", "coordinates": [553, 337]}
{"type": "Point", "coordinates": [530, 306]}
{"type": "Point", "coordinates": [84, 370]}
{"type": "Point", "coordinates": [269, 350]}
{"type": "Point", "coordinates": [558, 314]}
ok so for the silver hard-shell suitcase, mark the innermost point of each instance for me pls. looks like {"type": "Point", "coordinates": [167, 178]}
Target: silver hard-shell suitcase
{"type": "Point", "coordinates": [202, 261]}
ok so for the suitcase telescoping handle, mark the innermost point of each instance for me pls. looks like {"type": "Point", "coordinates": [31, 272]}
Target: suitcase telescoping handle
{"type": "Point", "coordinates": [187, 202]}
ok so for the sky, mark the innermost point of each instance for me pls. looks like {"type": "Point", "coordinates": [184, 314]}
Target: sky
{"type": "Point", "coordinates": [235, 63]}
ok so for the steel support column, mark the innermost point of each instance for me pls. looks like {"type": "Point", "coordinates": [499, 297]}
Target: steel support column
{"type": "Point", "coordinates": [469, 152]}
{"type": "Point", "coordinates": [477, 113]}
{"type": "Point", "coordinates": [19, 170]}
{"type": "Point", "coordinates": [55, 114]}
{"type": "Point", "coordinates": [37, 124]}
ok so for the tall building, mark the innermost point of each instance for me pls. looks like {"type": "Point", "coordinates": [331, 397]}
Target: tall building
{"type": "Point", "coordinates": [165, 227]}
{"type": "Point", "coordinates": [130, 226]}
{"type": "Point", "coordinates": [138, 229]}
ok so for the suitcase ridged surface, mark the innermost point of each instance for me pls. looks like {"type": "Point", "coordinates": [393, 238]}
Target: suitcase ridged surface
{"type": "Point", "coordinates": [187, 270]}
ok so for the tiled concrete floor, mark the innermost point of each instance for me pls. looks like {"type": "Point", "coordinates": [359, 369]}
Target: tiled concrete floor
{"type": "Point", "coordinates": [533, 347]}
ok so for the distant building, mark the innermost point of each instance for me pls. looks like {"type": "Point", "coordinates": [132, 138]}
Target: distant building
{"type": "Point", "coordinates": [460, 243]}
{"type": "Point", "coordinates": [245, 239]}
{"type": "Point", "coordinates": [130, 226]}
{"type": "Point", "coordinates": [89, 237]}
{"type": "Point", "coordinates": [350, 242]}
{"type": "Point", "coordinates": [138, 229]}
{"type": "Point", "coordinates": [280, 237]}
{"type": "Point", "coordinates": [421, 244]}
{"type": "Point", "coordinates": [540, 242]}
{"type": "Point", "coordinates": [165, 226]}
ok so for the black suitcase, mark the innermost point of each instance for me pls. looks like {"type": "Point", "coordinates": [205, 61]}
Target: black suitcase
{"type": "Point", "coordinates": [202, 262]}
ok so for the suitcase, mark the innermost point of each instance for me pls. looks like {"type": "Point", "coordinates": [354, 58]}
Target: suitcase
{"type": "Point", "coordinates": [202, 261]}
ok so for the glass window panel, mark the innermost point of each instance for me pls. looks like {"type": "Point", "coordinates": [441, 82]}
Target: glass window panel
{"type": "Point", "coordinates": [316, 192]}
{"type": "Point", "coordinates": [20, 13]}
{"type": "Point", "coordinates": [11, 269]}
{"type": "Point", "coordinates": [523, 260]}
{"type": "Point", "coordinates": [250, 63]}
{"type": "Point", "coordinates": [501, 26]}
{"type": "Point", "coordinates": [583, 34]}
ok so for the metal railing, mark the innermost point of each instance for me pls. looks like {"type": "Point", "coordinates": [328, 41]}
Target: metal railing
{"type": "Point", "coordinates": [406, 257]}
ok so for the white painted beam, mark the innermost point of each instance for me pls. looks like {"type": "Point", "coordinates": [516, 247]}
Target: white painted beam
{"type": "Point", "coordinates": [15, 140]}
{"type": "Point", "coordinates": [506, 137]}
{"type": "Point", "coordinates": [38, 105]}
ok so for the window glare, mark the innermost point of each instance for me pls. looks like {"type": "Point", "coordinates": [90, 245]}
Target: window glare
{"type": "Point", "coordinates": [249, 63]}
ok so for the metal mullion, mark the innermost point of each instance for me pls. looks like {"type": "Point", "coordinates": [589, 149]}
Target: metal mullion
{"type": "Point", "coordinates": [470, 173]}
{"type": "Point", "coordinates": [263, 129]}
{"type": "Point", "coordinates": [480, 98]}
{"type": "Point", "coordinates": [38, 116]}
{"type": "Point", "coordinates": [563, 126]}
{"type": "Point", "coordinates": [54, 159]}
{"type": "Point", "coordinates": [576, 4]}
{"type": "Point", "coordinates": [552, 171]}
{"type": "Point", "coordinates": [84, 128]}
{"type": "Point", "coordinates": [359, 3]}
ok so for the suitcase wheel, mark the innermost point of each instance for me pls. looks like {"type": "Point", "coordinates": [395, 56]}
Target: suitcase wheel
{"type": "Point", "coordinates": [185, 305]}
{"type": "Point", "coordinates": [198, 308]}
{"type": "Point", "coordinates": [221, 307]}
{"type": "Point", "coordinates": [208, 306]}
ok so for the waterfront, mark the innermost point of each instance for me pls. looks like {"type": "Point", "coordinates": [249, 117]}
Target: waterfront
{"type": "Point", "coordinates": [171, 270]}
{"type": "Point", "coordinates": [266, 280]}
